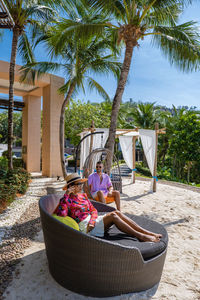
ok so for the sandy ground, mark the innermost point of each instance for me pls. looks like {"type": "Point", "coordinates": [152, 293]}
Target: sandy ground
{"type": "Point", "coordinates": [176, 208]}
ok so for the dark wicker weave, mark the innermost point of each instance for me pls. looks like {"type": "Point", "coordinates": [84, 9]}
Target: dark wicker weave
{"type": "Point", "coordinates": [92, 266]}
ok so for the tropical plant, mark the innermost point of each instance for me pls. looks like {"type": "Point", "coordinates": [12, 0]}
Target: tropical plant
{"type": "Point", "coordinates": [80, 59]}
{"type": "Point", "coordinates": [144, 115]}
{"type": "Point", "coordinates": [81, 115]}
{"type": "Point", "coordinates": [135, 20]}
{"type": "Point", "coordinates": [17, 128]}
{"type": "Point", "coordinates": [25, 14]}
{"type": "Point", "coordinates": [184, 144]}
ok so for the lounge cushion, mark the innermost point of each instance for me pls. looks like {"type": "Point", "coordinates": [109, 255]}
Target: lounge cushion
{"type": "Point", "coordinates": [67, 221]}
{"type": "Point", "coordinates": [147, 249]}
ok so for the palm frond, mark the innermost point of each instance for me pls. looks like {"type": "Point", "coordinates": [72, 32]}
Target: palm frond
{"type": "Point", "coordinates": [102, 66]}
{"type": "Point", "coordinates": [25, 49]}
{"type": "Point", "coordinates": [180, 44]}
{"type": "Point", "coordinates": [164, 16]}
{"type": "Point", "coordinates": [164, 3]}
{"type": "Point", "coordinates": [64, 89]}
{"type": "Point", "coordinates": [92, 84]}
{"type": "Point", "coordinates": [40, 12]}
{"type": "Point", "coordinates": [115, 8]}
{"type": "Point", "coordinates": [31, 71]}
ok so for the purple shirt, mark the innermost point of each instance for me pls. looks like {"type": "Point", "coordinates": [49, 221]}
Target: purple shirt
{"type": "Point", "coordinates": [94, 181]}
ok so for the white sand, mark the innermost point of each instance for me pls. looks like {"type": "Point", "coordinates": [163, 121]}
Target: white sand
{"type": "Point", "coordinates": [176, 208]}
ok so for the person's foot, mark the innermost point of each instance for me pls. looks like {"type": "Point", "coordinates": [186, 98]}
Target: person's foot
{"type": "Point", "coordinates": [157, 235]}
{"type": "Point", "coordinates": [149, 238]}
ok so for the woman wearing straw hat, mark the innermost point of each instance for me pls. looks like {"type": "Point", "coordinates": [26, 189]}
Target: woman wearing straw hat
{"type": "Point", "coordinates": [77, 205]}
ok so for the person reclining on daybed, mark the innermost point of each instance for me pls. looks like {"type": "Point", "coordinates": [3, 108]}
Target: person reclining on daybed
{"type": "Point", "coordinates": [77, 205]}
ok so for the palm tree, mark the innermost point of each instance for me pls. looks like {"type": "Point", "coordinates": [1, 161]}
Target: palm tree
{"type": "Point", "coordinates": [80, 59]}
{"type": "Point", "coordinates": [144, 115]}
{"type": "Point", "coordinates": [135, 20]}
{"type": "Point", "coordinates": [24, 13]}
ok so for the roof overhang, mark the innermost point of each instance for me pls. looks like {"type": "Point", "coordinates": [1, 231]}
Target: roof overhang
{"type": "Point", "coordinates": [21, 89]}
{"type": "Point", "coordinates": [6, 20]}
{"type": "Point", "coordinates": [18, 105]}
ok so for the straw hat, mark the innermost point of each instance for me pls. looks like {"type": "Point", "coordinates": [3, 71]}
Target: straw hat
{"type": "Point", "coordinates": [74, 177]}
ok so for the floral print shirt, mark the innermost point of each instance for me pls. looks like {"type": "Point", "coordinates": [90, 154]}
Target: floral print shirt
{"type": "Point", "coordinates": [77, 207]}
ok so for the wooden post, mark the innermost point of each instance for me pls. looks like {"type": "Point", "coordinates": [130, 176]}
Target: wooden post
{"type": "Point", "coordinates": [155, 162]}
{"type": "Point", "coordinates": [92, 129]}
{"type": "Point", "coordinates": [133, 149]}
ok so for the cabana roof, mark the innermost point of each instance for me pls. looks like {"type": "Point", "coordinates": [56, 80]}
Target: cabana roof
{"type": "Point", "coordinates": [6, 21]}
{"type": "Point", "coordinates": [127, 132]}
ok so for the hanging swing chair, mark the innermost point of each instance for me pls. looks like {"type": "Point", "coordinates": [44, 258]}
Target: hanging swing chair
{"type": "Point", "coordinates": [104, 155]}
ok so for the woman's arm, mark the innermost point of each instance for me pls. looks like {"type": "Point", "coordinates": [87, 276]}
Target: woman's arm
{"type": "Point", "coordinates": [63, 207]}
{"type": "Point", "coordinates": [93, 212]}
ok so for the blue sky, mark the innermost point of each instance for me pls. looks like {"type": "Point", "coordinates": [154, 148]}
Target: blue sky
{"type": "Point", "coordinates": [151, 77]}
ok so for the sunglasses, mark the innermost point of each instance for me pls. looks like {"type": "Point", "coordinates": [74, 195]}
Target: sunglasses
{"type": "Point", "coordinates": [98, 167]}
{"type": "Point", "coordinates": [79, 183]}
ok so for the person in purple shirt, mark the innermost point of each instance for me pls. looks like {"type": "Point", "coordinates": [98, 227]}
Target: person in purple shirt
{"type": "Point", "coordinates": [101, 186]}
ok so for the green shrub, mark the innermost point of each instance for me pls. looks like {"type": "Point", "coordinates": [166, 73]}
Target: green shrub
{"type": "Point", "coordinates": [143, 170]}
{"type": "Point", "coordinates": [5, 153]}
{"type": "Point", "coordinates": [18, 142]}
{"type": "Point", "coordinates": [15, 181]}
{"type": "Point", "coordinates": [3, 163]}
{"type": "Point", "coordinates": [17, 162]}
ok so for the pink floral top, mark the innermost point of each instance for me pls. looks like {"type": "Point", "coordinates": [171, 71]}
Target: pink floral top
{"type": "Point", "coordinates": [77, 207]}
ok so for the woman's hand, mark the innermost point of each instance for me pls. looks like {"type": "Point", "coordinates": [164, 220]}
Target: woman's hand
{"type": "Point", "coordinates": [70, 190]}
{"type": "Point", "coordinates": [89, 227]}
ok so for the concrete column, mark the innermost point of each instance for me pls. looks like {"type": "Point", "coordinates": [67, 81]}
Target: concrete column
{"type": "Point", "coordinates": [31, 125]}
{"type": "Point", "coordinates": [52, 103]}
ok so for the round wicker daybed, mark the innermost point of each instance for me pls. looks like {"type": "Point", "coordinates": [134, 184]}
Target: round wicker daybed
{"type": "Point", "coordinates": [101, 267]}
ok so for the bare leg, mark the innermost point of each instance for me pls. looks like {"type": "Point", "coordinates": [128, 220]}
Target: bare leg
{"type": "Point", "coordinates": [116, 196]}
{"type": "Point", "coordinates": [136, 226]}
{"type": "Point", "coordinates": [114, 218]}
{"type": "Point", "coordinates": [100, 197]}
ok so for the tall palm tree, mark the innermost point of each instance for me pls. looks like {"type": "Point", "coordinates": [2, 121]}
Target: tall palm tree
{"type": "Point", "coordinates": [25, 13]}
{"type": "Point", "coordinates": [80, 59]}
{"type": "Point", "coordinates": [134, 20]}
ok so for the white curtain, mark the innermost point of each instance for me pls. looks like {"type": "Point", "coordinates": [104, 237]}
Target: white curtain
{"type": "Point", "coordinates": [148, 138]}
{"type": "Point", "coordinates": [126, 143]}
{"type": "Point", "coordinates": [99, 141]}
{"type": "Point", "coordinates": [127, 149]}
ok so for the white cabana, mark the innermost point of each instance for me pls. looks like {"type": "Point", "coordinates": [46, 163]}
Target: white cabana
{"type": "Point", "coordinates": [127, 139]}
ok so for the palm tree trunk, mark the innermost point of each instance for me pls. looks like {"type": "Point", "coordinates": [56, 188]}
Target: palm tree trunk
{"type": "Point", "coordinates": [118, 95]}
{"type": "Point", "coordinates": [11, 92]}
{"type": "Point", "coordinates": [62, 124]}
{"type": "Point", "coordinates": [117, 100]}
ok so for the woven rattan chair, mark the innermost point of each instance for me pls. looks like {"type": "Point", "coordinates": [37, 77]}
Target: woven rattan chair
{"type": "Point", "coordinates": [101, 267]}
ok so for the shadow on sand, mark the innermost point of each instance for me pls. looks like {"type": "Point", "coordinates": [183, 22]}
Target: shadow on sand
{"type": "Point", "coordinates": [125, 197]}
{"type": "Point", "coordinates": [32, 280]}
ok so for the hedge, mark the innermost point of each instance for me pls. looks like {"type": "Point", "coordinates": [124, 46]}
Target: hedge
{"type": "Point", "coordinates": [12, 182]}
